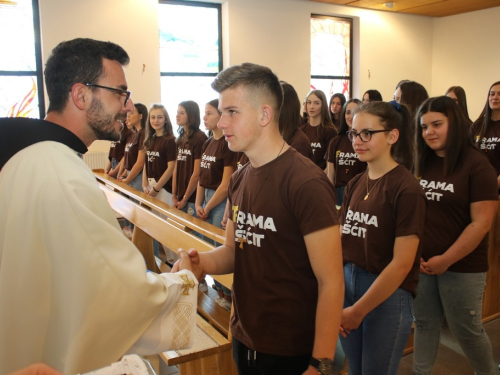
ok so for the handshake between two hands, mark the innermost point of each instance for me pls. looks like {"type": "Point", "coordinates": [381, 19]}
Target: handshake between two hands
{"type": "Point", "coordinates": [189, 260]}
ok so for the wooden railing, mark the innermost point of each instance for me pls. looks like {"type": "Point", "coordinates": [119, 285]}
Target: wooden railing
{"type": "Point", "coordinates": [175, 229]}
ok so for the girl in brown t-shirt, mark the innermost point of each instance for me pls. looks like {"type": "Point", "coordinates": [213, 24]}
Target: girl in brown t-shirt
{"type": "Point", "coordinates": [218, 163]}
{"type": "Point", "coordinates": [319, 129]}
{"type": "Point", "coordinates": [461, 191]}
{"type": "Point", "coordinates": [382, 221]}
{"type": "Point", "coordinates": [130, 171]}
{"type": "Point", "coordinates": [161, 152]}
{"type": "Point", "coordinates": [342, 162]}
{"type": "Point", "coordinates": [187, 167]}
{"type": "Point", "coordinates": [337, 102]}
{"type": "Point", "coordinates": [290, 121]}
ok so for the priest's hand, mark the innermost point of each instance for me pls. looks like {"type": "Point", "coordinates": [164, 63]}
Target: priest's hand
{"type": "Point", "coordinates": [190, 262]}
{"type": "Point", "coordinates": [37, 369]}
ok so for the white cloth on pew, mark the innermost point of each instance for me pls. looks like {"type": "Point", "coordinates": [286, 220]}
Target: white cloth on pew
{"type": "Point", "coordinates": [74, 292]}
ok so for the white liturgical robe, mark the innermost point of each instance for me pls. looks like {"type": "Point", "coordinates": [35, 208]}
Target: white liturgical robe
{"type": "Point", "coordinates": [74, 292]}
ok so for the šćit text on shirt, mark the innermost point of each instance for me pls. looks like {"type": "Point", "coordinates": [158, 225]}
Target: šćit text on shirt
{"type": "Point", "coordinates": [353, 220]}
{"type": "Point", "coordinates": [346, 158]}
{"type": "Point", "coordinates": [245, 225]}
{"type": "Point", "coordinates": [183, 153]}
{"type": "Point", "coordinates": [206, 160]}
{"type": "Point", "coordinates": [488, 143]}
{"type": "Point", "coordinates": [430, 186]}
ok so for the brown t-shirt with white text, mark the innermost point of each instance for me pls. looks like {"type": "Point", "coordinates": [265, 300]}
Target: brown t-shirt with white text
{"type": "Point", "coordinates": [320, 137]}
{"type": "Point", "coordinates": [117, 149]}
{"type": "Point", "coordinates": [448, 206]}
{"type": "Point", "coordinates": [346, 162]}
{"type": "Point", "coordinates": [187, 153]}
{"type": "Point", "coordinates": [301, 143]}
{"type": "Point", "coordinates": [162, 151]}
{"type": "Point", "coordinates": [275, 291]}
{"type": "Point", "coordinates": [489, 144]}
{"type": "Point", "coordinates": [215, 157]}
{"type": "Point", "coordinates": [394, 208]}
{"type": "Point", "coordinates": [134, 144]}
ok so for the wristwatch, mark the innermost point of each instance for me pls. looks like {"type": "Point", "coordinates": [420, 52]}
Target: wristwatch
{"type": "Point", "coordinates": [323, 365]}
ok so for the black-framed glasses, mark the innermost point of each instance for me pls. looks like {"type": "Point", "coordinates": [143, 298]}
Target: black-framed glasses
{"type": "Point", "coordinates": [364, 135]}
{"type": "Point", "coordinates": [121, 92]}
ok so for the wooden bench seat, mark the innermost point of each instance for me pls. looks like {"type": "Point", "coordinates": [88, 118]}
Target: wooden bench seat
{"type": "Point", "coordinates": [212, 353]}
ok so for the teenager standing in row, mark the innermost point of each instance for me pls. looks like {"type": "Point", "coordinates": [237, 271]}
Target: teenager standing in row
{"type": "Point", "coordinates": [342, 162]}
{"type": "Point", "coordinates": [382, 221]}
{"type": "Point", "coordinates": [461, 190]}
{"type": "Point", "coordinates": [189, 149]}
{"type": "Point", "coordinates": [319, 129]}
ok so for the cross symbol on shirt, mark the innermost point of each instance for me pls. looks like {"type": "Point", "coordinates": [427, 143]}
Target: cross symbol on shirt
{"type": "Point", "coordinates": [242, 241]}
{"type": "Point", "coordinates": [186, 285]}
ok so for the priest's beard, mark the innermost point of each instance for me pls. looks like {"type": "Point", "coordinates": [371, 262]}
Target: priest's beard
{"type": "Point", "coordinates": [104, 126]}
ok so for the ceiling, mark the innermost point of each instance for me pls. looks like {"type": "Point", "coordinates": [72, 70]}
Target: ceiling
{"type": "Point", "coordinates": [432, 8]}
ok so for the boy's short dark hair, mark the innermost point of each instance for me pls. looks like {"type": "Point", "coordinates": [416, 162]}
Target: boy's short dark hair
{"type": "Point", "coordinates": [260, 80]}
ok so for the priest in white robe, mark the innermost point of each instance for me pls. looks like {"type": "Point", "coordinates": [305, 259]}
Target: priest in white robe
{"type": "Point", "coordinates": [74, 292]}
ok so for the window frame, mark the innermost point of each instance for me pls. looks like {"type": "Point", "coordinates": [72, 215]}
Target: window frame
{"type": "Point", "coordinates": [219, 21]}
{"type": "Point", "coordinates": [38, 60]}
{"type": "Point", "coordinates": [351, 48]}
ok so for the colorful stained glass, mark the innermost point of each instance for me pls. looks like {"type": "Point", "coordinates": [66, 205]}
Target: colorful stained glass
{"type": "Point", "coordinates": [331, 86]}
{"type": "Point", "coordinates": [330, 46]}
{"type": "Point", "coordinates": [18, 97]}
{"type": "Point", "coordinates": [189, 39]}
{"type": "Point", "coordinates": [17, 37]}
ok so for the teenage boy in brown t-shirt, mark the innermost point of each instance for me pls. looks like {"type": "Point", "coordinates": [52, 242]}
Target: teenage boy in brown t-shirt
{"type": "Point", "coordinates": [282, 238]}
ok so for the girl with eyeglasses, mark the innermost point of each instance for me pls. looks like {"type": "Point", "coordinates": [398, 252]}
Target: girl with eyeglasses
{"type": "Point", "coordinates": [382, 220]}
{"type": "Point", "coordinates": [342, 162]}
{"type": "Point", "coordinates": [461, 190]}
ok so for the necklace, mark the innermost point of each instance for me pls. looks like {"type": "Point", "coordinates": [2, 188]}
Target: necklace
{"type": "Point", "coordinates": [242, 240]}
{"type": "Point", "coordinates": [369, 191]}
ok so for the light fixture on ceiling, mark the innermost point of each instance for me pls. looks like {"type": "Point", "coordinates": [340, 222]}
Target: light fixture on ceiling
{"type": "Point", "coordinates": [390, 5]}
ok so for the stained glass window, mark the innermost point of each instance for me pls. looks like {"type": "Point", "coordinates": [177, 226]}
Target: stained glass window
{"type": "Point", "coordinates": [20, 61]}
{"type": "Point", "coordinates": [190, 52]}
{"type": "Point", "coordinates": [331, 46]}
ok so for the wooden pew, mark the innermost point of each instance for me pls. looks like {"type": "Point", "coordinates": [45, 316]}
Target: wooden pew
{"type": "Point", "coordinates": [174, 229]}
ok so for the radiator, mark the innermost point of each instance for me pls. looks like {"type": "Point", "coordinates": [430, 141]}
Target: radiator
{"type": "Point", "coordinates": [96, 160]}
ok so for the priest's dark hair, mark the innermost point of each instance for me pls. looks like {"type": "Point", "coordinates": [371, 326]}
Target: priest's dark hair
{"type": "Point", "coordinates": [77, 61]}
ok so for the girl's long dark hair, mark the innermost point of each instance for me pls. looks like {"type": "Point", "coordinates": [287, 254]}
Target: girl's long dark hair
{"type": "Point", "coordinates": [480, 126]}
{"type": "Point", "coordinates": [326, 120]}
{"type": "Point", "coordinates": [343, 123]}
{"type": "Point", "coordinates": [457, 139]}
{"type": "Point", "coordinates": [289, 119]}
{"type": "Point", "coordinates": [193, 114]}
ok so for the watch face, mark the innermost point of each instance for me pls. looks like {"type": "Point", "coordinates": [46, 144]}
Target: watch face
{"type": "Point", "coordinates": [325, 366]}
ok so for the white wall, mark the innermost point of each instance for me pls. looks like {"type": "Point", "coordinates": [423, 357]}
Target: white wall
{"type": "Point", "coordinates": [276, 33]}
{"type": "Point", "coordinates": [435, 52]}
{"type": "Point", "coordinates": [133, 24]}
{"type": "Point", "coordinates": [466, 52]}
